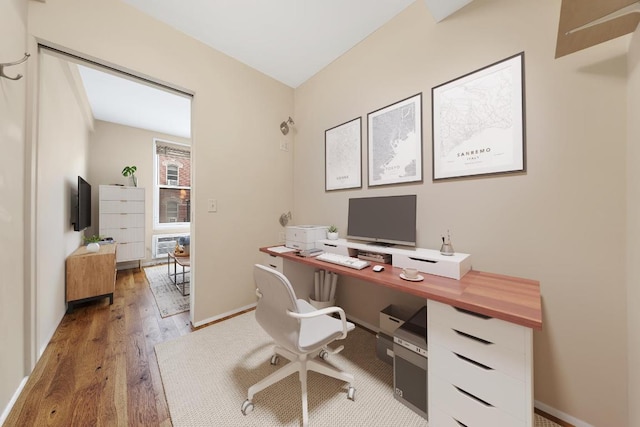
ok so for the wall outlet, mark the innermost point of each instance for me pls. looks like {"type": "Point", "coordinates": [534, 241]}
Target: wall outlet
{"type": "Point", "coordinates": [212, 205]}
{"type": "Point", "coordinates": [284, 145]}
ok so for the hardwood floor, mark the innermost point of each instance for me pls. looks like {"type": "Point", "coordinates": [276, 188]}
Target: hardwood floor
{"type": "Point", "coordinates": [100, 368]}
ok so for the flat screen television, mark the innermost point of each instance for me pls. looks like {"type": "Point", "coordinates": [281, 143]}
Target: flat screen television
{"type": "Point", "coordinates": [81, 217]}
{"type": "Point", "coordinates": [385, 220]}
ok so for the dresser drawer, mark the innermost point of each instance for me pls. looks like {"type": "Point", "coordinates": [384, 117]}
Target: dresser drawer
{"type": "Point", "coordinates": [493, 386]}
{"type": "Point", "coordinates": [489, 329]}
{"type": "Point", "coordinates": [466, 408]}
{"type": "Point", "coordinates": [113, 192]}
{"type": "Point", "coordinates": [111, 220]}
{"type": "Point", "coordinates": [130, 251]}
{"type": "Point", "coordinates": [121, 206]}
{"type": "Point", "coordinates": [495, 356]}
{"type": "Point", "coordinates": [124, 235]}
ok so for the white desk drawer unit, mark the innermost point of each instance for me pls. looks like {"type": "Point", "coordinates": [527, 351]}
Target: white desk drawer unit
{"type": "Point", "coordinates": [480, 369]}
{"type": "Point", "coordinates": [122, 216]}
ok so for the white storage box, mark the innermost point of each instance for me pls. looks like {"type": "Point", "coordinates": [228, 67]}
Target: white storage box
{"type": "Point", "coordinates": [392, 317]}
{"type": "Point", "coordinates": [432, 262]}
{"type": "Point", "coordinates": [304, 236]}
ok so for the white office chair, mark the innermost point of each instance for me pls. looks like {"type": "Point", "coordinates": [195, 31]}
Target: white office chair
{"type": "Point", "coordinates": [301, 333]}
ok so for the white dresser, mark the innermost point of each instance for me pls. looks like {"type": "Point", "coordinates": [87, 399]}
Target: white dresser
{"type": "Point", "coordinates": [122, 217]}
{"type": "Point", "coordinates": [480, 370]}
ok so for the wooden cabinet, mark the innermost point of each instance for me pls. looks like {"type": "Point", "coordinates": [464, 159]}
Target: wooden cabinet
{"type": "Point", "coordinates": [480, 369]}
{"type": "Point", "coordinates": [122, 217]}
{"type": "Point", "coordinates": [91, 274]}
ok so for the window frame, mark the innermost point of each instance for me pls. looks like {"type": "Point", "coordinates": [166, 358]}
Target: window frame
{"type": "Point", "coordinates": [157, 225]}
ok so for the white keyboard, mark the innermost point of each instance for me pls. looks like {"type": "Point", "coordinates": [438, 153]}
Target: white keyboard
{"type": "Point", "coordinates": [343, 260]}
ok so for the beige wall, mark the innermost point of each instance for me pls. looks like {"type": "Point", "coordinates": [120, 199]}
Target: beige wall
{"type": "Point", "coordinates": [562, 222]}
{"type": "Point", "coordinates": [236, 113]}
{"type": "Point", "coordinates": [112, 148]}
{"type": "Point", "coordinates": [62, 155]}
{"type": "Point", "coordinates": [633, 228]}
{"type": "Point", "coordinates": [13, 44]}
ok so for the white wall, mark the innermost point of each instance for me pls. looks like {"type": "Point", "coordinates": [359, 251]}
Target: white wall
{"type": "Point", "coordinates": [13, 44]}
{"type": "Point", "coordinates": [633, 228]}
{"type": "Point", "coordinates": [236, 116]}
{"type": "Point", "coordinates": [562, 222]}
{"type": "Point", "coordinates": [113, 147]}
{"type": "Point", "coordinates": [62, 155]}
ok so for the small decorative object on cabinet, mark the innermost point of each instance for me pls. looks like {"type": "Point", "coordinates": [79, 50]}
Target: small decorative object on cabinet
{"type": "Point", "coordinates": [91, 275]}
{"type": "Point", "coordinates": [122, 218]}
{"type": "Point", "coordinates": [131, 172]}
{"type": "Point", "coordinates": [332, 233]}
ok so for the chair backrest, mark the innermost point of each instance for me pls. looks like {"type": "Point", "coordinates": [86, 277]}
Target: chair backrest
{"type": "Point", "coordinates": [271, 313]}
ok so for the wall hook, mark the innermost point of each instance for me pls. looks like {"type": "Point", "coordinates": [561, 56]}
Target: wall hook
{"type": "Point", "coordinates": [10, 64]}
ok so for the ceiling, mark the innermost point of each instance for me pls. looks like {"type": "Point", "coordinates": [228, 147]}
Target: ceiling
{"type": "Point", "coordinates": [289, 40]}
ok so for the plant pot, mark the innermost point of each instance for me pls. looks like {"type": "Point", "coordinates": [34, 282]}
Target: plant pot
{"type": "Point", "coordinates": [93, 247]}
{"type": "Point", "coordinates": [332, 236]}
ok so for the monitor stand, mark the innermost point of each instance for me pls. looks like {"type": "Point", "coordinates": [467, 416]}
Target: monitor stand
{"type": "Point", "coordinates": [383, 244]}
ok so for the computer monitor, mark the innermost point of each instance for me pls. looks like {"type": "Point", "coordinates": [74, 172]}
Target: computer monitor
{"type": "Point", "coordinates": [386, 220]}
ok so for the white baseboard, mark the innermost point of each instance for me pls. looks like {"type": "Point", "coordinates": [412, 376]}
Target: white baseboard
{"type": "Point", "coordinates": [223, 315]}
{"type": "Point", "coordinates": [561, 415]}
{"type": "Point", "coordinates": [14, 398]}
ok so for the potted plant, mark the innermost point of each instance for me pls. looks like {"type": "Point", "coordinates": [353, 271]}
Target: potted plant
{"type": "Point", "coordinates": [332, 233]}
{"type": "Point", "coordinates": [131, 171]}
{"type": "Point", "coordinates": [92, 242]}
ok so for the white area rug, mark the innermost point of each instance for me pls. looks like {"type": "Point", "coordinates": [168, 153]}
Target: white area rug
{"type": "Point", "coordinates": [169, 299]}
{"type": "Point", "coordinates": [206, 375]}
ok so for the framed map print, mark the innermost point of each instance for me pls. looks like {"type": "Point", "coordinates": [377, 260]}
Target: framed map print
{"type": "Point", "coordinates": [343, 156]}
{"type": "Point", "coordinates": [478, 122]}
{"type": "Point", "coordinates": [395, 143]}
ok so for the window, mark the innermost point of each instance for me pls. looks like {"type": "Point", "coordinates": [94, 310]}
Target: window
{"type": "Point", "coordinates": [172, 177]}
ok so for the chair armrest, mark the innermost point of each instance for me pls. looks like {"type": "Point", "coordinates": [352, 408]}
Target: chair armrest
{"type": "Point", "coordinates": [322, 312]}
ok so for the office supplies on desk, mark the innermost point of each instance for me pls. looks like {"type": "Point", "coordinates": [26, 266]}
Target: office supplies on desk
{"type": "Point", "coordinates": [343, 260]}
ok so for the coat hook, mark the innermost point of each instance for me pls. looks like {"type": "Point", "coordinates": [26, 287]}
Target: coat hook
{"type": "Point", "coordinates": [10, 64]}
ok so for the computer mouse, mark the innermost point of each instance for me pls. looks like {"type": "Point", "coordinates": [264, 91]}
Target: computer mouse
{"type": "Point", "coordinates": [378, 268]}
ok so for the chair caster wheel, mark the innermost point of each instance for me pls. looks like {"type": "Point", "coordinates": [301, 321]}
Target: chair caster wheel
{"type": "Point", "coordinates": [351, 393]}
{"type": "Point", "coordinates": [324, 354]}
{"type": "Point", "coordinates": [275, 359]}
{"type": "Point", "coordinates": [247, 406]}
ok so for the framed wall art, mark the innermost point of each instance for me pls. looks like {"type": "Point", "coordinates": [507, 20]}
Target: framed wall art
{"type": "Point", "coordinates": [478, 122]}
{"type": "Point", "coordinates": [343, 156]}
{"type": "Point", "coordinates": [395, 143]}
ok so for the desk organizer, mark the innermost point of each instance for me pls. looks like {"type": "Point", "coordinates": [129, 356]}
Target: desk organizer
{"type": "Point", "coordinates": [428, 261]}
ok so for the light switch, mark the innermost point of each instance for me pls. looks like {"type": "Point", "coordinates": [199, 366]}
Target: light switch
{"type": "Point", "coordinates": [213, 205]}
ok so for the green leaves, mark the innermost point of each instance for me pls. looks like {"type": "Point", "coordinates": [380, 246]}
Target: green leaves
{"type": "Point", "coordinates": [129, 170]}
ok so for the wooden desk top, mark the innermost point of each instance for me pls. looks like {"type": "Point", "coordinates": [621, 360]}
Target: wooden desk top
{"type": "Point", "coordinates": [512, 299]}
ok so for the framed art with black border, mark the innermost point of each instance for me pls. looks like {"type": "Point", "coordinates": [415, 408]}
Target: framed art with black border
{"type": "Point", "coordinates": [343, 156]}
{"type": "Point", "coordinates": [395, 143]}
{"type": "Point", "coordinates": [478, 122]}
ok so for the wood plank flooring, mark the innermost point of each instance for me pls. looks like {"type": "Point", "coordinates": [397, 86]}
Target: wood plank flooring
{"type": "Point", "coordinates": [100, 368]}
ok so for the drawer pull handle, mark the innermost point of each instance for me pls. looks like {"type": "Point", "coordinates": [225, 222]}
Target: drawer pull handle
{"type": "Point", "coordinates": [466, 393]}
{"type": "Point", "coordinates": [461, 424]}
{"type": "Point", "coordinates": [471, 313]}
{"type": "Point", "coordinates": [393, 320]}
{"type": "Point", "coordinates": [473, 362]}
{"type": "Point", "coordinates": [464, 334]}
{"type": "Point", "coordinates": [423, 260]}
{"type": "Point", "coordinates": [331, 246]}
{"type": "Point", "coordinates": [273, 266]}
